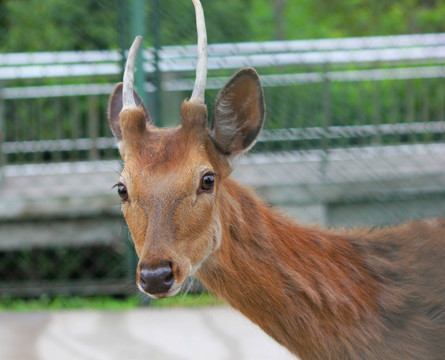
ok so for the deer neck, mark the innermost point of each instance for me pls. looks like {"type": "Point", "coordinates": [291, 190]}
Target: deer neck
{"type": "Point", "coordinates": [297, 283]}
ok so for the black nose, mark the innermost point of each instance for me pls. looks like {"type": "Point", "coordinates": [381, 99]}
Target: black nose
{"type": "Point", "coordinates": [156, 280]}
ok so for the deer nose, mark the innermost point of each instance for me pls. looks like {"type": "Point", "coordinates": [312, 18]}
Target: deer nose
{"type": "Point", "coordinates": [156, 280]}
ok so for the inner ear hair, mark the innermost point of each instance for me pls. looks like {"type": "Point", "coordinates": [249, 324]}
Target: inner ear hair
{"type": "Point", "coordinates": [238, 113]}
{"type": "Point", "coordinates": [115, 108]}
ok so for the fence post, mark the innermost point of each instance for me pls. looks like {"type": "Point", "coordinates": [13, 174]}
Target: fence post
{"type": "Point", "coordinates": [157, 102]}
{"type": "Point", "coordinates": [326, 123]}
{"type": "Point", "coordinates": [93, 126]}
{"type": "Point", "coordinates": [2, 127]}
{"type": "Point", "coordinates": [138, 29]}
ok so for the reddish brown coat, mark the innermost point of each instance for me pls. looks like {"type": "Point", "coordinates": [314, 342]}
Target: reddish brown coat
{"type": "Point", "coordinates": [362, 294]}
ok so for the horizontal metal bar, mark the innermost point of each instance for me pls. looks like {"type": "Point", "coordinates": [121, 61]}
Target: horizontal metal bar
{"type": "Point", "coordinates": [389, 55]}
{"type": "Point", "coordinates": [64, 168]}
{"type": "Point", "coordinates": [338, 132]}
{"type": "Point", "coordinates": [58, 145]}
{"type": "Point", "coordinates": [355, 75]}
{"type": "Point", "coordinates": [295, 134]}
{"type": "Point", "coordinates": [339, 154]}
{"type": "Point", "coordinates": [48, 71]}
{"type": "Point", "coordinates": [351, 153]}
{"type": "Point", "coordinates": [316, 77]}
{"type": "Point", "coordinates": [217, 82]}
{"type": "Point", "coordinates": [60, 57]}
{"type": "Point", "coordinates": [37, 288]}
{"type": "Point", "coordinates": [331, 51]}
{"type": "Point", "coordinates": [353, 43]}
{"type": "Point", "coordinates": [29, 92]}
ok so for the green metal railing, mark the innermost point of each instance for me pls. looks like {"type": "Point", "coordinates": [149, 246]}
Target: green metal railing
{"type": "Point", "coordinates": [67, 122]}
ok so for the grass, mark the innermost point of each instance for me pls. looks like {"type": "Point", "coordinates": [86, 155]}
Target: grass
{"type": "Point", "coordinates": [50, 303]}
{"type": "Point", "coordinates": [189, 300]}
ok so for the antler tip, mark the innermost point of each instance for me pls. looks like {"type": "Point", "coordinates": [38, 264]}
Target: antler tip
{"type": "Point", "coordinates": [201, 67]}
{"type": "Point", "coordinates": [128, 84]}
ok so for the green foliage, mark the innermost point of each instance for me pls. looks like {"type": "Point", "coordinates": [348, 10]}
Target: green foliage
{"type": "Point", "coordinates": [344, 18]}
{"type": "Point", "coordinates": [46, 302]}
{"type": "Point", "coordinates": [188, 300]}
{"type": "Point", "coordinates": [33, 25]}
{"type": "Point", "coordinates": [40, 265]}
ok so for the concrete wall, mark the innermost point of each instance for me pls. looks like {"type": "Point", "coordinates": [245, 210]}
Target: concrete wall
{"type": "Point", "coordinates": [76, 203]}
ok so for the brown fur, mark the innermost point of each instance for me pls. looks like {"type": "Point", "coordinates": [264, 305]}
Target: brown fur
{"type": "Point", "coordinates": [327, 295]}
{"type": "Point", "coordinates": [363, 294]}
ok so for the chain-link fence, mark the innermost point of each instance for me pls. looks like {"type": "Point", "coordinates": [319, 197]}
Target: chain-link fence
{"type": "Point", "coordinates": [354, 130]}
{"type": "Point", "coordinates": [60, 227]}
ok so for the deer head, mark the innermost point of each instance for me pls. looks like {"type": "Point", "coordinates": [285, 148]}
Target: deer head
{"type": "Point", "coordinates": [173, 178]}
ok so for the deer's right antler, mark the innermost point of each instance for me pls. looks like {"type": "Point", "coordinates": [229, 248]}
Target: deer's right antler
{"type": "Point", "coordinates": [128, 85]}
{"type": "Point", "coordinates": [201, 66]}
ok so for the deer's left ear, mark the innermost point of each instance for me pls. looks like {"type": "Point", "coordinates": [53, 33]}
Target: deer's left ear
{"type": "Point", "coordinates": [238, 113]}
{"type": "Point", "coordinates": [115, 106]}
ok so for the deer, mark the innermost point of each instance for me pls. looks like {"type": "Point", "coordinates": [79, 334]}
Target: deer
{"type": "Point", "coordinates": [363, 293]}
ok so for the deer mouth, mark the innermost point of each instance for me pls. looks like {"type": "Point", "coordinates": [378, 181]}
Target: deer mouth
{"type": "Point", "coordinates": [174, 290]}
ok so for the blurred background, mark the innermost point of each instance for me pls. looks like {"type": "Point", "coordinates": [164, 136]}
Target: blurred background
{"type": "Point", "coordinates": [354, 132]}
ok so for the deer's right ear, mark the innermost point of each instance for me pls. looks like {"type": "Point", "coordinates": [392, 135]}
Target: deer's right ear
{"type": "Point", "coordinates": [115, 107]}
{"type": "Point", "coordinates": [238, 113]}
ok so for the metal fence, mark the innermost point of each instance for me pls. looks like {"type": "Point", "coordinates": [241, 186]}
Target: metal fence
{"type": "Point", "coordinates": [354, 134]}
{"type": "Point", "coordinates": [325, 93]}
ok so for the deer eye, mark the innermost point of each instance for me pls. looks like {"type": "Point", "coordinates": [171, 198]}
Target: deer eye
{"type": "Point", "coordinates": [207, 182]}
{"type": "Point", "coordinates": [122, 191]}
